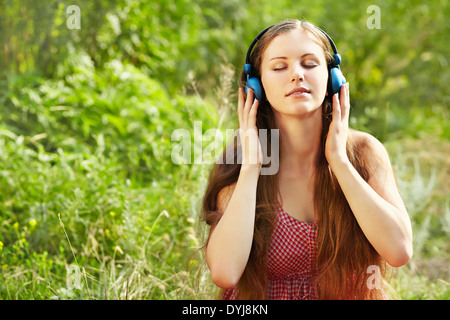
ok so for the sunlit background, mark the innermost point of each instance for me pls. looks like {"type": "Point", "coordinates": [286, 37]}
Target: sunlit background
{"type": "Point", "coordinates": [91, 205]}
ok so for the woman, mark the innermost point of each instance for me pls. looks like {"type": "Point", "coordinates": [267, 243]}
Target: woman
{"type": "Point", "coordinates": [331, 212]}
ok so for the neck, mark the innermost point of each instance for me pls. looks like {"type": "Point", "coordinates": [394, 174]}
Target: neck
{"type": "Point", "coordinates": [299, 143]}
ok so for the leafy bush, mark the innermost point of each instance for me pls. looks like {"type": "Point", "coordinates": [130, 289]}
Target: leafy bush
{"type": "Point", "coordinates": [86, 123]}
{"type": "Point", "coordinates": [94, 149]}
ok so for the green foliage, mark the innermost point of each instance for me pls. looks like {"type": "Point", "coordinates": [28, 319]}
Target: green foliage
{"type": "Point", "coordinates": [86, 119]}
{"type": "Point", "coordinates": [422, 177]}
{"type": "Point", "coordinates": [95, 147]}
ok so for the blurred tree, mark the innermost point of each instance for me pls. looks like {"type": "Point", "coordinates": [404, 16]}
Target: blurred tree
{"type": "Point", "coordinates": [396, 72]}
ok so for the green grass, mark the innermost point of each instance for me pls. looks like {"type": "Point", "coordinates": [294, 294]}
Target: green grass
{"type": "Point", "coordinates": [88, 184]}
{"type": "Point", "coordinates": [422, 169]}
{"type": "Point", "coordinates": [135, 241]}
{"type": "Point", "coordinates": [130, 240]}
{"type": "Point", "coordinates": [104, 173]}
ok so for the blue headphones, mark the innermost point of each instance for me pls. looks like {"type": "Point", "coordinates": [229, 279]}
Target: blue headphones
{"type": "Point", "coordinates": [336, 77]}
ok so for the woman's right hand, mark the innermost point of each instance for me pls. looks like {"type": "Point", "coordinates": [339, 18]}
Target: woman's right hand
{"type": "Point", "coordinates": [248, 132]}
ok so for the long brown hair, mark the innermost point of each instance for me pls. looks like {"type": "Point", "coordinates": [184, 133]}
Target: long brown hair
{"type": "Point", "coordinates": [344, 253]}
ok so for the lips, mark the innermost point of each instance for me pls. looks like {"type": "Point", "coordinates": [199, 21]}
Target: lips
{"type": "Point", "coordinates": [298, 91]}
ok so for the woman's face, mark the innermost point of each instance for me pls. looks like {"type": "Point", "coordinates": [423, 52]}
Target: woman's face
{"type": "Point", "coordinates": [294, 73]}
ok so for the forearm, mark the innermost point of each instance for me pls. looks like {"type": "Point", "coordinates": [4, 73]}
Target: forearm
{"type": "Point", "coordinates": [386, 227]}
{"type": "Point", "coordinates": [230, 242]}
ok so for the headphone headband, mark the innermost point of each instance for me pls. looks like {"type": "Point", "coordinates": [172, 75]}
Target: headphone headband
{"type": "Point", "coordinates": [336, 77]}
{"type": "Point", "coordinates": [247, 58]}
{"type": "Point", "coordinates": [333, 46]}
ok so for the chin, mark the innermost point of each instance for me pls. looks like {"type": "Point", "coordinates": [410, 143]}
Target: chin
{"type": "Point", "coordinates": [297, 110]}
{"type": "Point", "coordinates": [296, 106]}
{"type": "Point", "coordinates": [302, 107]}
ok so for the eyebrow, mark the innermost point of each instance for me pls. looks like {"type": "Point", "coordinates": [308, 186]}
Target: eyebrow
{"type": "Point", "coordinates": [285, 58]}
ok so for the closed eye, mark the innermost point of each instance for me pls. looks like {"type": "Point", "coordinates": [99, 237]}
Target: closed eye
{"type": "Point", "coordinates": [309, 66]}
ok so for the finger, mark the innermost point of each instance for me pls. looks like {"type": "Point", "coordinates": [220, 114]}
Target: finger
{"type": "Point", "coordinates": [248, 104]}
{"type": "Point", "coordinates": [253, 112]}
{"type": "Point", "coordinates": [348, 93]}
{"type": "Point", "coordinates": [348, 106]}
{"type": "Point", "coordinates": [344, 102]}
{"type": "Point", "coordinates": [336, 115]}
{"type": "Point", "coordinates": [240, 106]}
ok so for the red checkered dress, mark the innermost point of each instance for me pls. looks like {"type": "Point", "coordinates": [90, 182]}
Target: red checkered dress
{"type": "Point", "coordinates": [290, 261]}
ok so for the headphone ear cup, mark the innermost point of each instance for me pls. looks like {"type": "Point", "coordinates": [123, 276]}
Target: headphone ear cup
{"type": "Point", "coordinates": [337, 80]}
{"type": "Point", "coordinates": [254, 84]}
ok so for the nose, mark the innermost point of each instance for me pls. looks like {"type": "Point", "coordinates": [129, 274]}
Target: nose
{"type": "Point", "coordinates": [297, 73]}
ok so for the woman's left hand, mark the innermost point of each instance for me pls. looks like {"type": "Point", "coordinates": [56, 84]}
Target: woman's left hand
{"type": "Point", "coordinates": [335, 146]}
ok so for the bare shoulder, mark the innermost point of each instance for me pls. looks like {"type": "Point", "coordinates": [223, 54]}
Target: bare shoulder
{"type": "Point", "coordinates": [382, 178]}
{"type": "Point", "coordinates": [365, 139]}
{"type": "Point", "coordinates": [376, 160]}
{"type": "Point", "coordinates": [370, 147]}
{"type": "Point", "coordinates": [224, 196]}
